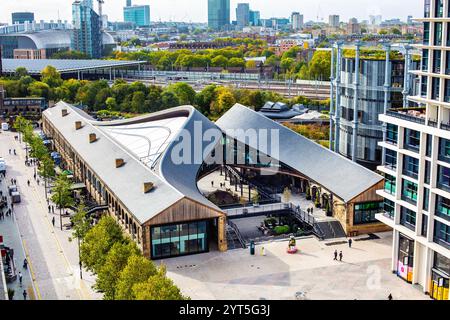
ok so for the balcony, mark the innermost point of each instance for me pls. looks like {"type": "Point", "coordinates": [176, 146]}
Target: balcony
{"type": "Point", "coordinates": [445, 126]}
{"type": "Point", "coordinates": [432, 123]}
{"type": "Point", "coordinates": [441, 242]}
{"type": "Point", "coordinates": [416, 115]}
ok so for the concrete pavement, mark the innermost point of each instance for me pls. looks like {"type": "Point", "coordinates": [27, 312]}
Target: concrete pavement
{"type": "Point", "coordinates": [53, 258]}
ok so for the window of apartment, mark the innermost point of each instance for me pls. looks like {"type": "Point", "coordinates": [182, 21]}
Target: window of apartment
{"type": "Point", "coordinates": [429, 145]}
{"type": "Point", "coordinates": [442, 234]}
{"type": "Point", "coordinates": [408, 218]}
{"type": "Point", "coordinates": [447, 90]}
{"type": "Point", "coordinates": [409, 191]}
{"type": "Point", "coordinates": [389, 208]}
{"type": "Point", "coordinates": [443, 207]}
{"type": "Point", "coordinates": [389, 184]}
{"type": "Point", "coordinates": [424, 86]}
{"type": "Point", "coordinates": [437, 58]}
{"type": "Point", "coordinates": [365, 212]}
{"type": "Point", "coordinates": [391, 159]}
{"type": "Point", "coordinates": [410, 167]}
{"type": "Point", "coordinates": [392, 134]}
{"type": "Point", "coordinates": [435, 89]}
{"type": "Point", "coordinates": [438, 34]}
{"type": "Point", "coordinates": [412, 140]}
{"type": "Point", "coordinates": [444, 150]}
{"type": "Point", "coordinates": [425, 60]}
{"type": "Point", "coordinates": [426, 199]}
{"type": "Point", "coordinates": [427, 172]}
{"type": "Point", "coordinates": [439, 9]}
{"type": "Point", "coordinates": [448, 34]}
{"type": "Point", "coordinates": [427, 9]}
{"type": "Point", "coordinates": [444, 178]}
{"type": "Point", "coordinates": [426, 38]}
{"type": "Point", "coordinates": [424, 232]}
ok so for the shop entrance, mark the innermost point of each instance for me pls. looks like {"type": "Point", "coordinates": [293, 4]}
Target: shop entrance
{"type": "Point", "coordinates": [439, 286]}
{"type": "Point", "coordinates": [405, 264]}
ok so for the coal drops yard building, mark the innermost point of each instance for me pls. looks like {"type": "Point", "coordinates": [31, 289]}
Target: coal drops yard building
{"type": "Point", "coordinates": [128, 166]}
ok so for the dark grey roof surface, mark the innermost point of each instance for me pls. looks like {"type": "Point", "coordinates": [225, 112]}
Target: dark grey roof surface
{"type": "Point", "coordinates": [36, 66]}
{"type": "Point", "coordinates": [127, 182]}
{"type": "Point", "coordinates": [334, 172]}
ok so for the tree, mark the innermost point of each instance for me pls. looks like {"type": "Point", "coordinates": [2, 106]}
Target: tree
{"type": "Point", "coordinates": [98, 241]}
{"type": "Point", "coordinates": [46, 170]}
{"type": "Point", "coordinates": [138, 102]}
{"type": "Point", "coordinates": [21, 124]}
{"type": "Point", "coordinates": [71, 55]}
{"type": "Point", "coordinates": [39, 89]}
{"type": "Point", "coordinates": [21, 72]}
{"type": "Point", "coordinates": [184, 92]}
{"type": "Point", "coordinates": [111, 104]}
{"type": "Point", "coordinates": [219, 61]}
{"type": "Point", "coordinates": [137, 270]}
{"type": "Point", "coordinates": [81, 225]}
{"type": "Point", "coordinates": [62, 195]}
{"type": "Point", "coordinates": [286, 64]}
{"type": "Point", "coordinates": [236, 62]}
{"type": "Point", "coordinates": [250, 64]}
{"type": "Point", "coordinates": [158, 287]}
{"type": "Point", "coordinates": [169, 100]}
{"type": "Point", "coordinates": [115, 262]}
{"type": "Point", "coordinates": [51, 77]}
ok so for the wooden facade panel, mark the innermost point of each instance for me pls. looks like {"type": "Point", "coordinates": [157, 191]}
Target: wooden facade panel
{"type": "Point", "coordinates": [184, 210]}
{"type": "Point", "coordinates": [370, 194]}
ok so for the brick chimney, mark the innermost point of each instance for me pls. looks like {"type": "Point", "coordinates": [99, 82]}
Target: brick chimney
{"type": "Point", "coordinates": [92, 137]}
{"type": "Point", "coordinates": [119, 163]}
{"type": "Point", "coordinates": [148, 186]}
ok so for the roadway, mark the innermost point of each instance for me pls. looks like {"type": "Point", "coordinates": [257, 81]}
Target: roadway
{"type": "Point", "coordinates": [53, 258]}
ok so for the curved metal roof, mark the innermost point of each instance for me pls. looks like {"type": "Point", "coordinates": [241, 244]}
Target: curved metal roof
{"type": "Point", "coordinates": [334, 172]}
{"type": "Point", "coordinates": [48, 39]}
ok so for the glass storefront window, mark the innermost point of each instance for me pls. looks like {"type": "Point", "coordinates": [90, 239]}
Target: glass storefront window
{"type": "Point", "coordinates": [365, 212]}
{"type": "Point", "coordinates": [405, 258]}
{"type": "Point", "coordinates": [179, 239]}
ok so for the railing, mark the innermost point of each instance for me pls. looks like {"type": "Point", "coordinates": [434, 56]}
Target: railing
{"type": "Point", "coordinates": [432, 123]}
{"type": "Point", "coordinates": [445, 126]}
{"type": "Point", "coordinates": [258, 209]}
{"type": "Point", "coordinates": [388, 215]}
{"type": "Point", "coordinates": [238, 234]}
{"type": "Point", "coordinates": [407, 117]}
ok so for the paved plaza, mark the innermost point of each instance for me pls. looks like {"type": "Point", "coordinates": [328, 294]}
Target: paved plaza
{"type": "Point", "coordinates": [364, 273]}
{"type": "Point", "coordinates": [54, 271]}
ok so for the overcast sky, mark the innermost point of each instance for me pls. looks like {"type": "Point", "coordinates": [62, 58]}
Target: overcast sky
{"type": "Point", "coordinates": [196, 10]}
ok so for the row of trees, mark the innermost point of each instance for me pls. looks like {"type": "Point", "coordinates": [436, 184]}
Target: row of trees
{"type": "Point", "coordinates": [138, 98]}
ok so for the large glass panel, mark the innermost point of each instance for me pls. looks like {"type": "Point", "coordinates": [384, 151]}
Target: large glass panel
{"type": "Point", "coordinates": [392, 134]}
{"type": "Point", "coordinates": [391, 159]}
{"type": "Point", "coordinates": [439, 9]}
{"type": "Point", "coordinates": [389, 208]}
{"type": "Point", "coordinates": [427, 172]}
{"type": "Point", "coordinates": [435, 88]}
{"type": "Point", "coordinates": [424, 232]}
{"type": "Point", "coordinates": [441, 263]}
{"type": "Point", "coordinates": [365, 212]}
{"type": "Point", "coordinates": [427, 9]}
{"type": "Point", "coordinates": [444, 150]}
{"type": "Point", "coordinates": [412, 140]}
{"type": "Point", "coordinates": [426, 198]}
{"type": "Point", "coordinates": [442, 234]}
{"type": "Point", "coordinates": [424, 86]}
{"type": "Point", "coordinates": [193, 236]}
{"type": "Point", "coordinates": [426, 41]}
{"type": "Point", "coordinates": [437, 34]}
{"type": "Point", "coordinates": [443, 207]}
{"type": "Point", "coordinates": [389, 184]}
{"type": "Point", "coordinates": [409, 191]}
{"type": "Point", "coordinates": [444, 178]}
{"type": "Point", "coordinates": [437, 61]}
{"type": "Point", "coordinates": [410, 167]}
{"type": "Point", "coordinates": [408, 218]}
{"type": "Point", "coordinates": [429, 145]}
{"type": "Point", "coordinates": [447, 85]}
{"type": "Point", "coordinates": [405, 258]}
{"type": "Point", "coordinates": [156, 241]}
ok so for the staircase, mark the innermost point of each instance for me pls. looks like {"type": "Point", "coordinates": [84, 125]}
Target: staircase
{"type": "Point", "coordinates": [329, 230]}
{"type": "Point", "coordinates": [234, 238]}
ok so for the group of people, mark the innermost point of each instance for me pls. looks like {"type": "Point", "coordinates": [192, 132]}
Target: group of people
{"type": "Point", "coordinates": [5, 210]}
{"type": "Point", "coordinates": [341, 255]}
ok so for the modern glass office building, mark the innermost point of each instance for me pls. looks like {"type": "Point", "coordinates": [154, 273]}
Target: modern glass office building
{"type": "Point", "coordinates": [86, 36]}
{"type": "Point", "coordinates": [139, 15]}
{"type": "Point", "coordinates": [416, 164]}
{"type": "Point", "coordinates": [218, 14]}
{"type": "Point", "coordinates": [243, 15]}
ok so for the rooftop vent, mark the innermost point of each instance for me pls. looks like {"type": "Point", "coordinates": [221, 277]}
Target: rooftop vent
{"type": "Point", "coordinates": [78, 125]}
{"type": "Point", "coordinates": [92, 137]}
{"type": "Point", "coordinates": [120, 163]}
{"type": "Point", "coordinates": [64, 112]}
{"type": "Point", "coordinates": [148, 186]}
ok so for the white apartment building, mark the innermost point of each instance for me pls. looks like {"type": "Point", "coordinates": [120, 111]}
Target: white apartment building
{"type": "Point", "coordinates": [416, 165]}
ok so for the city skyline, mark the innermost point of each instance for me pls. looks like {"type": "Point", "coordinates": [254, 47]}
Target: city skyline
{"type": "Point", "coordinates": [176, 10]}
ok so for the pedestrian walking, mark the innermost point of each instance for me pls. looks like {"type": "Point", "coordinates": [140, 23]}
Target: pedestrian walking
{"type": "Point", "coordinates": [24, 294]}
{"type": "Point", "coordinates": [25, 263]}
{"type": "Point", "coordinates": [20, 278]}
{"type": "Point", "coordinates": [53, 221]}
{"type": "Point", "coordinates": [335, 254]}
{"type": "Point", "coordinates": [350, 241]}
{"type": "Point", "coordinates": [15, 152]}
{"type": "Point", "coordinates": [340, 256]}
{"type": "Point", "coordinates": [34, 176]}
{"type": "Point", "coordinates": [390, 296]}
{"type": "Point", "coordinates": [212, 183]}
{"type": "Point", "coordinates": [37, 181]}
{"type": "Point", "coordinates": [49, 209]}
{"type": "Point", "coordinates": [9, 151]}
{"type": "Point", "coordinates": [15, 181]}
{"type": "Point", "coordinates": [53, 209]}
{"type": "Point", "coordinates": [28, 182]}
